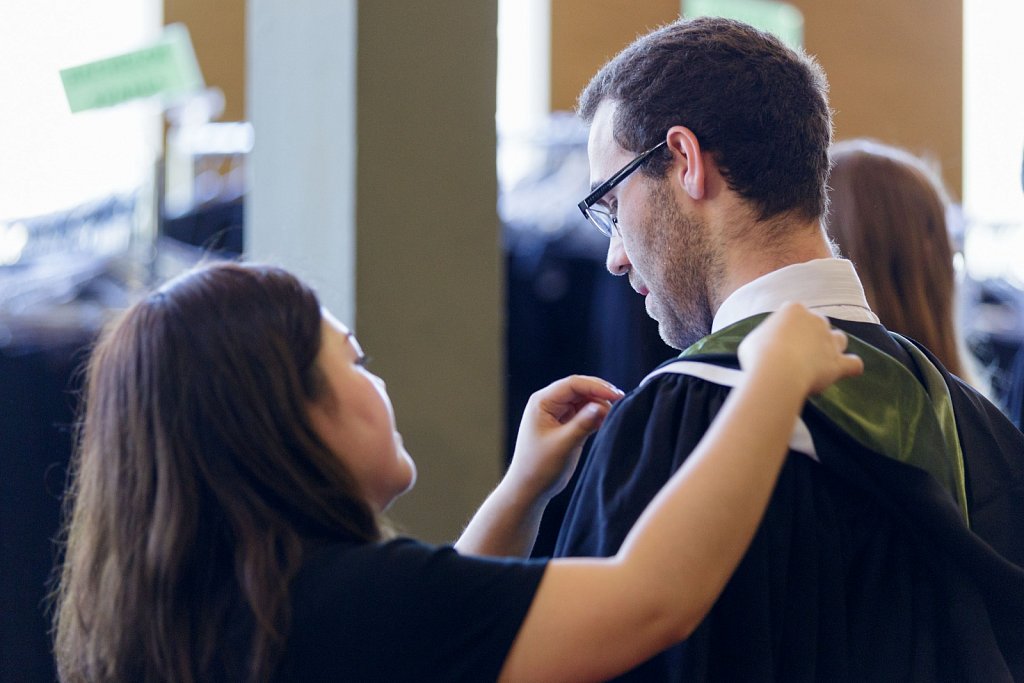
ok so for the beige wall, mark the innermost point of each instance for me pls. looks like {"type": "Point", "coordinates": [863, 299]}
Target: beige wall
{"type": "Point", "coordinates": [429, 276]}
{"type": "Point", "coordinates": [895, 68]}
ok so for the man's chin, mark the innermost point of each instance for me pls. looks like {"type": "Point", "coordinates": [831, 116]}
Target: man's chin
{"type": "Point", "coordinates": [667, 335]}
{"type": "Point", "coordinates": [679, 336]}
{"type": "Point", "coordinates": [677, 330]}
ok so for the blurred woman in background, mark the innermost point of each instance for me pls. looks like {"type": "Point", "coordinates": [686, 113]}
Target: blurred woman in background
{"type": "Point", "coordinates": [888, 213]}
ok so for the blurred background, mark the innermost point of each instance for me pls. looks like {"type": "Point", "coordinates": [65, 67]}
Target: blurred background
{"type": "Point", "coordinates": [420, 164]}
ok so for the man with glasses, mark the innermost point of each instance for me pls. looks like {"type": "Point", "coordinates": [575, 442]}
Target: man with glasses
{"type": "Point", "coordinates": [891, 548]}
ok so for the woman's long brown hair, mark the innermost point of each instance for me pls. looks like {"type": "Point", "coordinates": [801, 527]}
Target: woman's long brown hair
{"type": "Point", "coordinates": [198, 482]}
{"type": "Point", "coordinates": [888, 214]}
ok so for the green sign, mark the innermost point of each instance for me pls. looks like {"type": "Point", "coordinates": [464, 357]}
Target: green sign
{"type": "Point", "coordinates": [167, 67]}
{"type": "Point", "coordinates": [783, 20]}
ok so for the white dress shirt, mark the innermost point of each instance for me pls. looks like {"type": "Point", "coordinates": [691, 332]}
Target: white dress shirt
{"type": "Point", "coordinates": [827, 286]}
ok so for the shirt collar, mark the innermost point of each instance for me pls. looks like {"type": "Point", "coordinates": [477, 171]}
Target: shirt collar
{"type": "Point", "coordinates": [829, 286]}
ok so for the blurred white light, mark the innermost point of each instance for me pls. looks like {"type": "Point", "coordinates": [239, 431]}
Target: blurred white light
{"type": "Point", "coordinates": [52, 159]}
{"type": "Point", "coordinates": [993, 111]}
{"type": "Point", "coordinates": [13, 238]}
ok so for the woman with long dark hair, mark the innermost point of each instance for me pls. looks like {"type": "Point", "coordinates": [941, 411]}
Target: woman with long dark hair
{"type": "Point", "coordinates": [233, 462]}
{"type": "Point", "coordinates": [888, 213]}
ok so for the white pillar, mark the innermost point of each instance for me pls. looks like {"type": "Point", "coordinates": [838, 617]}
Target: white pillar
{"type": "Point", "coordinates": [301, 92]}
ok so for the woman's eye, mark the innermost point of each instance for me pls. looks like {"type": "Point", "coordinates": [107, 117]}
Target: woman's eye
{"type": "Point", "coordinates": [363, 361]}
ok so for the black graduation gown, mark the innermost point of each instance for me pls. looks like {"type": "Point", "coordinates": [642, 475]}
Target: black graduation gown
{"type": "Point", "coordinates": [862, 569]}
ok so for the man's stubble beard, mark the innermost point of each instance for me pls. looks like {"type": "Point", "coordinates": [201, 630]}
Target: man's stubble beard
{"type": "Point", "coordinates": [692, 267]}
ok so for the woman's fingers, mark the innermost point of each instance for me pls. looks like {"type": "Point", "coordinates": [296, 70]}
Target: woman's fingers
{"type": "Point", "coordinates": [563, 398]}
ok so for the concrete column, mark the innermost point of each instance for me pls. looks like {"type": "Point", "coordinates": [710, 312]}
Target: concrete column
{"type": "Point", "coordinates": [373, 176]}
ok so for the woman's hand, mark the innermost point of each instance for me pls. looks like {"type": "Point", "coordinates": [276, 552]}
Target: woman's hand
{"type": "Point", "coordinates": [802, 346]}
{"type": "Point", "coordinates": [556, 422]}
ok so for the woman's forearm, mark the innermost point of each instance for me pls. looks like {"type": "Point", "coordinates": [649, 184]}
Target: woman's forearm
{"type": "Point", "coordinates": [556, 421]}
{"type": "Point", "coordinates": [505, 525]}
{"type": "Point", "coordinates": [694, 533]}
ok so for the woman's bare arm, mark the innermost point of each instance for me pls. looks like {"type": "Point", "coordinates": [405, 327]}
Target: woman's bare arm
{"type": "Point", "coordinates": [556, 422]}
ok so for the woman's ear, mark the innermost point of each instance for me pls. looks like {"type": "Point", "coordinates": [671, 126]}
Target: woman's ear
{"type": "Point", "coordinates": [322, 409]}
{"type": "Point", "coordinates": [689, 164]}
{"type": "Point", "coordinates": [322, 418]}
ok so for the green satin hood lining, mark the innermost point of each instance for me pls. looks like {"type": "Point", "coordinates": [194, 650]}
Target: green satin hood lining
{"type": "Point", "coordinates": [914, 425]}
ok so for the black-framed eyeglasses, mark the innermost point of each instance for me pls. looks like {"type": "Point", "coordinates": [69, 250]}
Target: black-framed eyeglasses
{"type": "Point", "coordinates": [602, 219]}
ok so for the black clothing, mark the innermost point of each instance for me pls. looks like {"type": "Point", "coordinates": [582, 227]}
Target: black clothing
{"type": "Point", "coordinates": [862, 569]}
{"type": "Point", "coordinates": [404, 611]}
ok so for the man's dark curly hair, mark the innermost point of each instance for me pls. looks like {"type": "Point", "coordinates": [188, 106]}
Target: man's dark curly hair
{"type": "Point", "coordinates": [759, 107]}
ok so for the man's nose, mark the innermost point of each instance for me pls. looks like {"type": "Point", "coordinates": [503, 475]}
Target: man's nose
{"type": "Point", "coordinates": [617, 261]}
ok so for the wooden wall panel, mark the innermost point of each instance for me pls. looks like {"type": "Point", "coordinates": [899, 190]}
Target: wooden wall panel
{"type": "Point", "coordinates": [895, 68]}
{"type": "Point", "coordinates": [896, 73]}
{"type": "Point", "coordinates": [587, 33]}
{"type": "Point", "coordinates": [218, 34]}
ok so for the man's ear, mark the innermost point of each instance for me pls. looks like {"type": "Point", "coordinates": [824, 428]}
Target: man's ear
{"type": "Point", "coordinates": [690, 164]}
